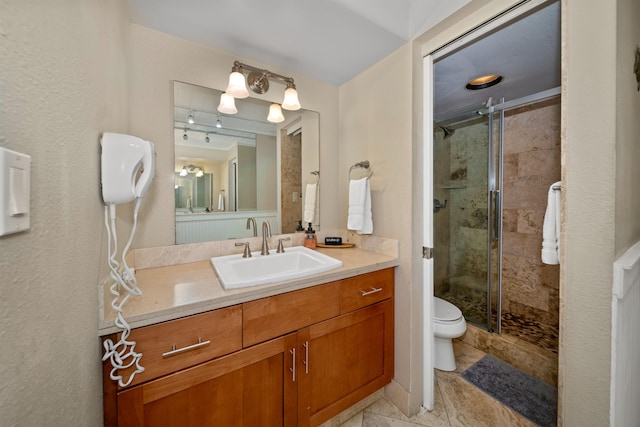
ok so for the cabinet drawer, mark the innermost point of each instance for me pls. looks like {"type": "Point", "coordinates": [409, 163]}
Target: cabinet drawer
{"type": "Point", "coordinates": [178, 344]}
{"type": "Point", "coordinates": [271, 317]}
{"type": "Point", "coordinates": [360, 291]}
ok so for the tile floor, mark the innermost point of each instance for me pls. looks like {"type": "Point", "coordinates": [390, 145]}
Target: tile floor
{"type": "Point", "coordinates": [458, 404]}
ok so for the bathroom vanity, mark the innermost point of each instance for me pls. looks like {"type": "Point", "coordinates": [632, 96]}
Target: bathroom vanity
{"type": "Point", "coordinates": [290, 354]}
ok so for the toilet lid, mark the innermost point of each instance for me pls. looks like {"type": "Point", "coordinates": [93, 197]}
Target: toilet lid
{"type": "Point", "coordinates": [446, 311]}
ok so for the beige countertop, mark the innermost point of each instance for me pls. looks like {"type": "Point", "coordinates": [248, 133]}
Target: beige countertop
{"type": "Point", "coordinates": [180, 290]}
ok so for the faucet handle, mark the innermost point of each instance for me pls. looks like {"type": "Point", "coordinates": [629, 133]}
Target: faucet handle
{"type": "Point", "coordinates": [247, 251]}
{"type": "Point", "coordinates": [280, 245]}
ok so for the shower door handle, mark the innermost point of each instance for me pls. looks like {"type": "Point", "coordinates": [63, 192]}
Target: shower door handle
{"type": "Point", "coordinates": [495, 194]}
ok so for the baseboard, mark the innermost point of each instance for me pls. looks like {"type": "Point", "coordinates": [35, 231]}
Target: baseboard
{"type": "Point", "coordinates": [400, 397]}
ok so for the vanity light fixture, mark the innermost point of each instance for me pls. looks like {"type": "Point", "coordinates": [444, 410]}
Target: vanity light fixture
{"type": "Point", "coordinates": [191, 120]}
{"type": "Point", "coordinates": [275, 113]}
{"type": "Point", "coordinates": [227, 104]}
{"type": "Point", "coordinates": [484, 82]}
{"type": "Point", "coordinates": [237, 85]}
{"type": "Point", "coordinates": [184, 171]}
{"type": "Point", "coordinates": [291, 98]}
{"type": "Point", "coordinates": [258, 82]}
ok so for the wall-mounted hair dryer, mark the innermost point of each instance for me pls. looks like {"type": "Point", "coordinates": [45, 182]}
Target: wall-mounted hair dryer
{"type": "Point", "coordinates": [122, 158]}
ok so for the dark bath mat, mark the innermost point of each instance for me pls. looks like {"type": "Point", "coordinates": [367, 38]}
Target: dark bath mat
{"type": "Point", "coordinates": [525, 394]}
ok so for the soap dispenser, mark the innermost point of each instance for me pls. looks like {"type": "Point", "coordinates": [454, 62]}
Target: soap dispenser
{"type": "Point", "coordinates": [299, 228]}
{"type": "Point", "coordinates": [310, 238]}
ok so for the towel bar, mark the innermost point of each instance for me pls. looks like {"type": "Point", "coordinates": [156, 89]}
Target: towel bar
{"type": "Point", "coordinates": [363, 164]}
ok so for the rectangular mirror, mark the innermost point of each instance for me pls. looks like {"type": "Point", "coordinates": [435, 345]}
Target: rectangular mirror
{"type": "Point", "coordinates": [229, 168]}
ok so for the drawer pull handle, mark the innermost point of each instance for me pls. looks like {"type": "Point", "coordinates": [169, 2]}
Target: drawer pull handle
{"type": "Point", "coordinates": [370, 291]}
{"type": "Point", "coordinates": [175, 350]}
{"type": "Point", "coordinates": [293, 364]}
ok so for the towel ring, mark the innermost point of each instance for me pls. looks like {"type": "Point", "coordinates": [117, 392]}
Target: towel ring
{"type": "Point", "coordinates": [364, 165]}
{"type": "Point", "coordinates": [317, 175]}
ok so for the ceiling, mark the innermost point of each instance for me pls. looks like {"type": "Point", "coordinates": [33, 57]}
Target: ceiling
{"type": "Point", "coordinates": [329, 40]}
{"type": "Point", "coordinates": [525, 52]}
{"type": "Point", "coordinates": [335, 40]}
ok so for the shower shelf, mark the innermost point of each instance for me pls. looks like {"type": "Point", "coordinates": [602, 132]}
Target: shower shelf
{"type": "Point", "coordinates": [450, 187]}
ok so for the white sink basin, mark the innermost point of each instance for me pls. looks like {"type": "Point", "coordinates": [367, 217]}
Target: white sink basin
{"type": "Point", "coordinates": [234, 272]}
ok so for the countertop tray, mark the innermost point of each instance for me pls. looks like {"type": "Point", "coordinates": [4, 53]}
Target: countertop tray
{"type": "Point", "coordinates": [342, 246]}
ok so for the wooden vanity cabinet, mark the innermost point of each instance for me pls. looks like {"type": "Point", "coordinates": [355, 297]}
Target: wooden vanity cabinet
{"type": "Point", "coordinates": [252, 387]}
{"type": "Point", "coordinates": [326, 348]}
{"type": "Point", "coordinates": [343, 360]}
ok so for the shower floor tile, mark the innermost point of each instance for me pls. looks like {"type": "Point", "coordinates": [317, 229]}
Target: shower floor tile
{"type": "Point", "coordinates": [473, 305]}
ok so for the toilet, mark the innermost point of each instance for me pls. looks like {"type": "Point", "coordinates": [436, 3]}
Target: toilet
{"type": "Point", "coordinates": [448, 323]}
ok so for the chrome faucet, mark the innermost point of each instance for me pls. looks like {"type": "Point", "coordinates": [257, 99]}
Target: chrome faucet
{"type": "Point", "coordinates": [281, 246]}
{"type": "Point", "coordinates": [252, 221]}
{"type": "Point", "coordinates": [266, 232]}
{"type": "Point", "coordinates": [247, 251]}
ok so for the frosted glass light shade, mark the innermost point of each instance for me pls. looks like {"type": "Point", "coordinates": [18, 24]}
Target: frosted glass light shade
{"type": "Point", "coordinates": [291, 99]}
{"type": "Point", "coordinates": [275, 114]}
{"type": "Point", "coordinates": [183, 171]}
{"type": "Point", "coordinates": [227, 104]}
{"type": "Point", "coordinates": [237, 85]}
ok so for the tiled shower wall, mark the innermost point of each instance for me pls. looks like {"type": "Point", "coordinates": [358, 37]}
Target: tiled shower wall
{"type": "Point", "coordinates": [291, 180]}
{"type": "Point", "coordinates": [531, 165]}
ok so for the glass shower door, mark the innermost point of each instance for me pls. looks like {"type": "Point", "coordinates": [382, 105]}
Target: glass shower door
{"type": "Point", "coordinates": [465, 249]}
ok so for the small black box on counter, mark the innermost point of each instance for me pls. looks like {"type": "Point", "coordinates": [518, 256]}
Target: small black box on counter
{"type": "Point", "coordinates": [334, 241]}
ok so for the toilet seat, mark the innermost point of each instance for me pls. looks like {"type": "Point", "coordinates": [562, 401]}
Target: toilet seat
{"type": "Point", "coordinates": [446, 312]}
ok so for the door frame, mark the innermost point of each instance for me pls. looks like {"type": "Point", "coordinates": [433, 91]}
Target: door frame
{"type": "Point", "coordinates": [428, 344]}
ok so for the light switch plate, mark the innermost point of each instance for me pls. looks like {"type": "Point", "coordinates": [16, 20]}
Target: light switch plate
{"type": "Point", "coordinates": [15, 191]}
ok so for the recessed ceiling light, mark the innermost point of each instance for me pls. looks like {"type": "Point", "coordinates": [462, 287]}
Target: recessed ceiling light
{"type": "Point", "coordinates": [484, 82]}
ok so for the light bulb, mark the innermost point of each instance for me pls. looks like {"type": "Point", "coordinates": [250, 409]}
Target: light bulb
{"type": "Point", "coordinates": [191, 119]}
{"type": "Point", "coordinates": [237, 85]}
{"type": "Point", "coordinates": [227, 104]}
{"type": "Point", "coordinates": [291, 98]}
{"type": "Point", "coordinates": [275, 113]}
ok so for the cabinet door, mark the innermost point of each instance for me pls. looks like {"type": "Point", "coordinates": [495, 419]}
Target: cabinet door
{"type": "Point", "coordinates": [253, 387]}
{"type": "Point", "coordinates": [343, 360]}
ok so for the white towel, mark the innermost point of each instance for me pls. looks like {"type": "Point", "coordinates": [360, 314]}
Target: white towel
{"type": "Point", "coordinates": [221, 202]}
{"type": "Point", "coordinates": [551, 227]}
{"type": "Point", "coordinates": [310, 197]}
{"type": "Point", "coordinates": [359, 218]}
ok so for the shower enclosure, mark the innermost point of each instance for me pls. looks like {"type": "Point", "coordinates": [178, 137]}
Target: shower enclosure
{"type": "Point", "coordinates": [467, 176]}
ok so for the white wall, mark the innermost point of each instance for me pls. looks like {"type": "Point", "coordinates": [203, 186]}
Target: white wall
{"type": "Point", "coordinates": [155, 60]}
{"type": "Point", "coordinates": [375, 125]}
{"type": "Point", "coordinates": [627, 127]}
{"type": "Point", "coordinates": [588, 161]}
{"type": "Point", "coordinates": [602, 202]}
{"type": "Point", "coordinates": [63, 83]}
